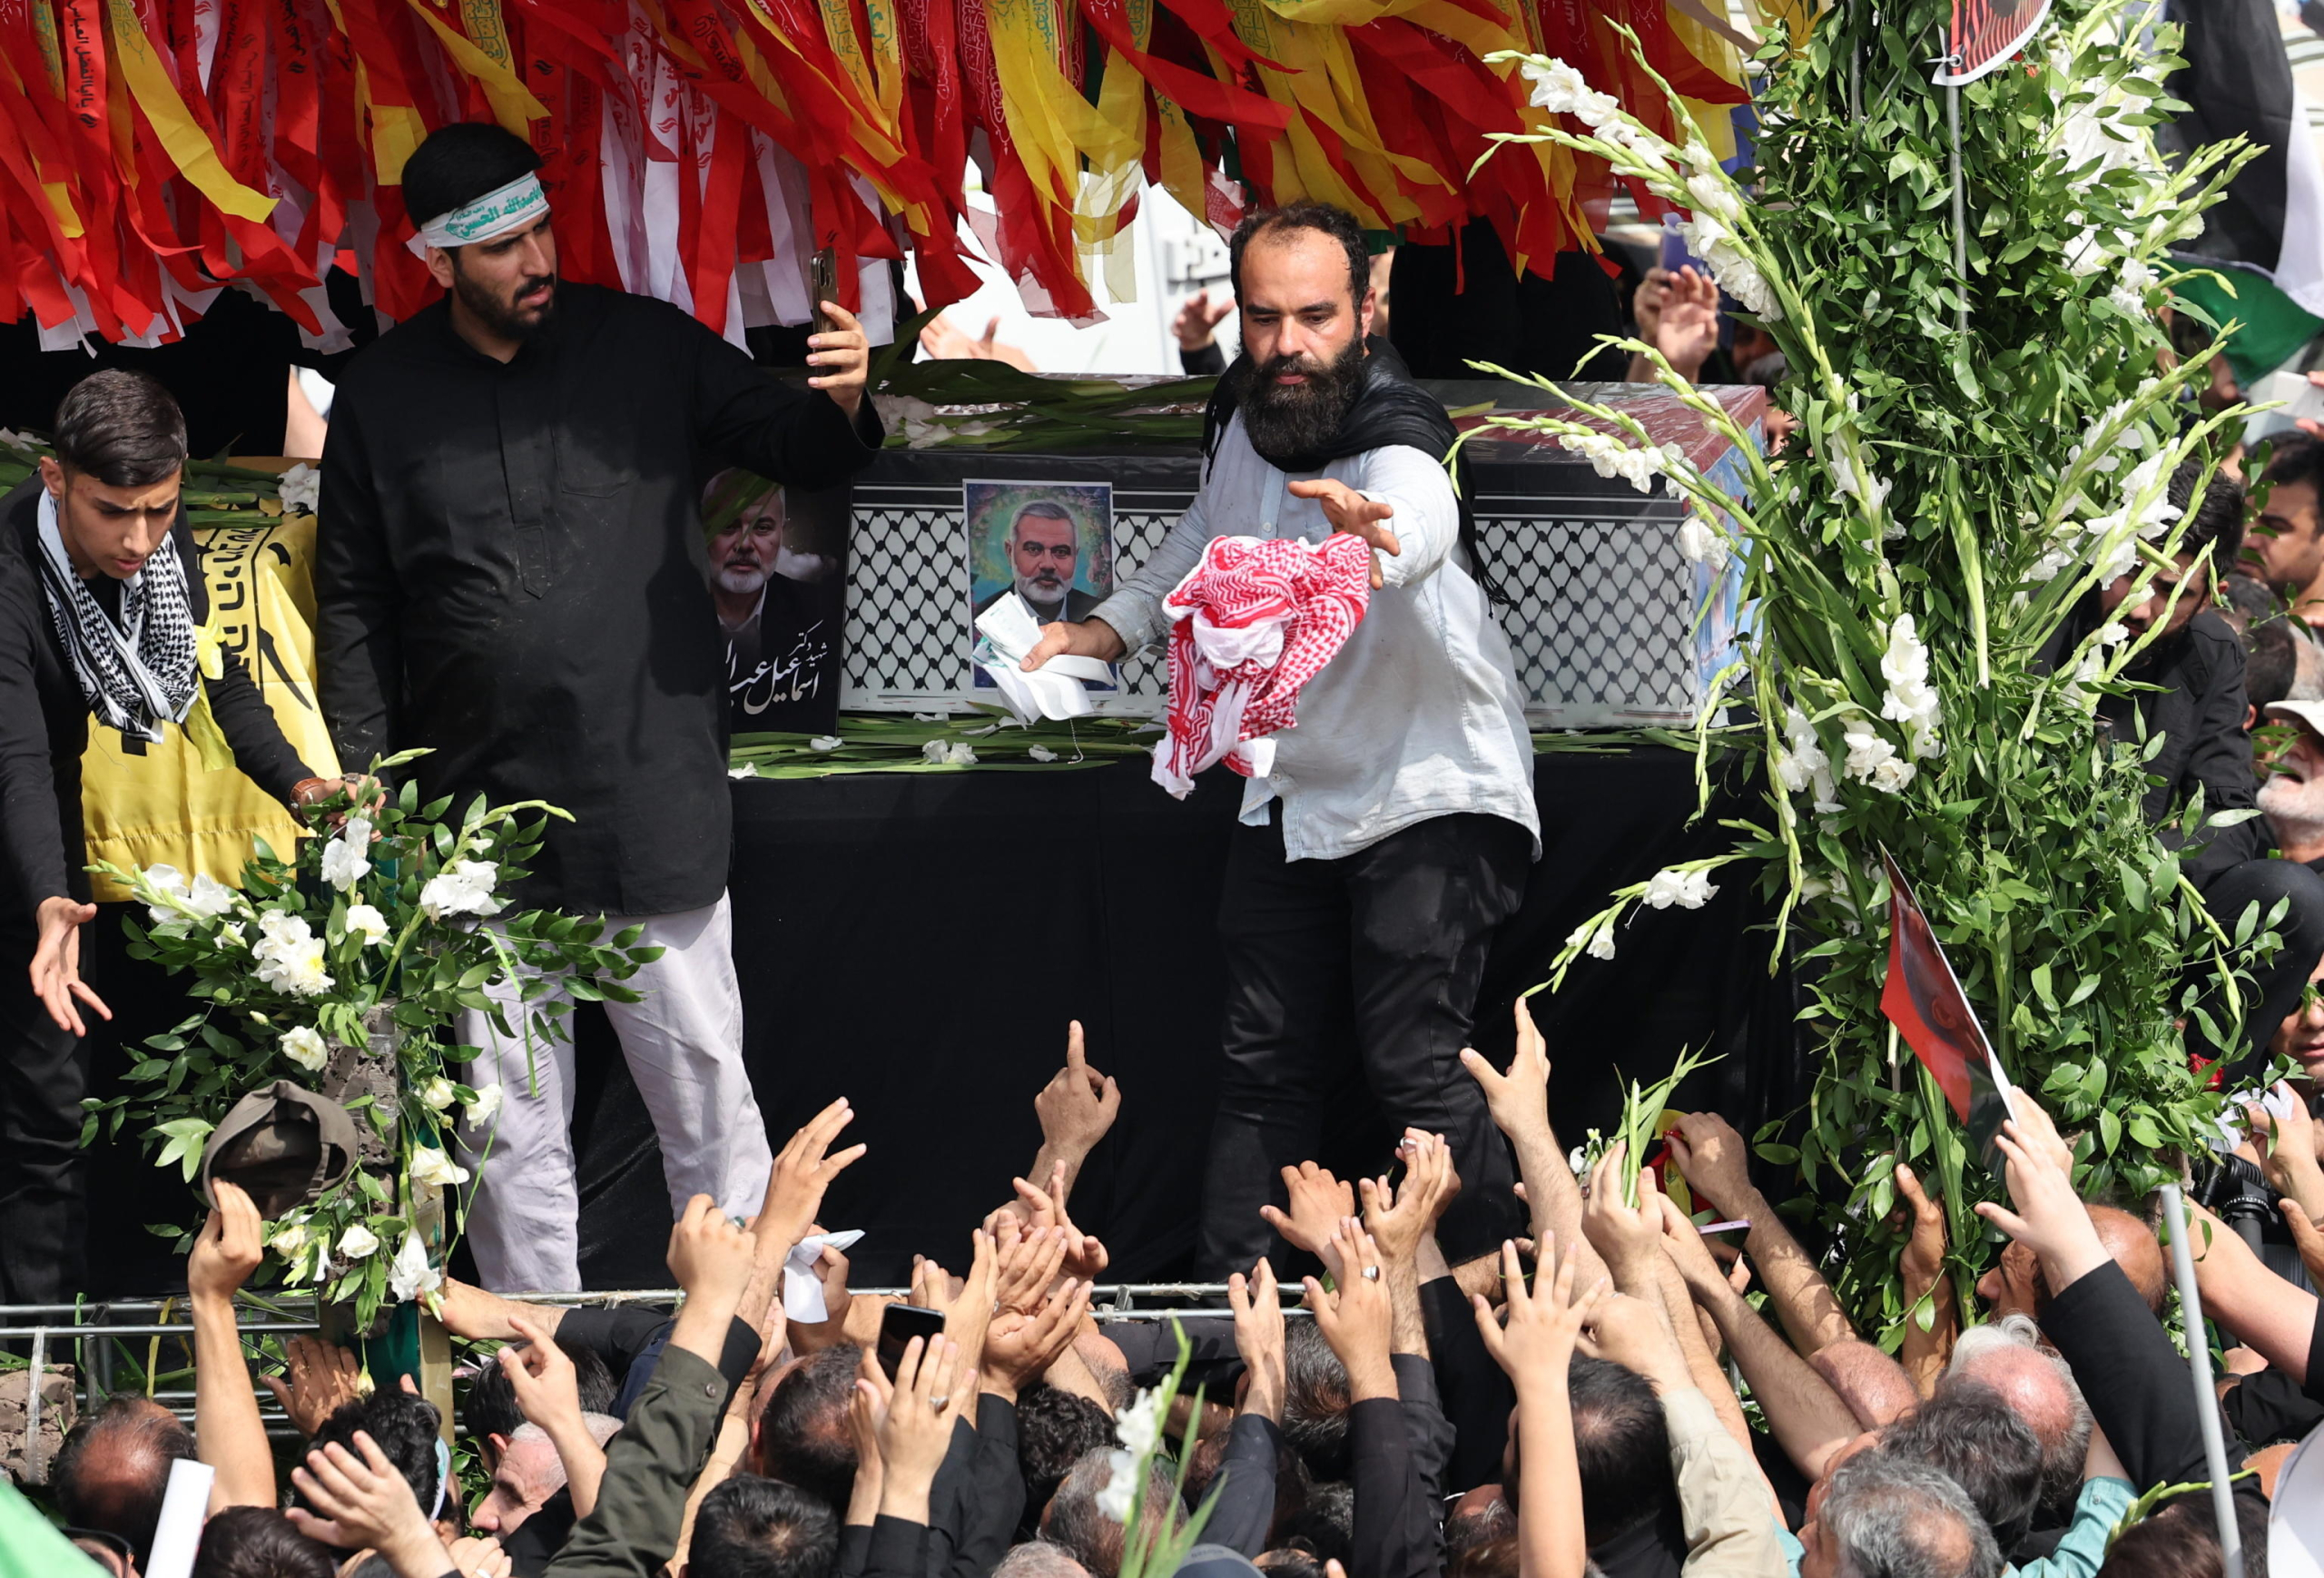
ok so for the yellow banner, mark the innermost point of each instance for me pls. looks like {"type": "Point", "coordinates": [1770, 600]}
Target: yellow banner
{"type": "Point", "coordinates": [188, 146]}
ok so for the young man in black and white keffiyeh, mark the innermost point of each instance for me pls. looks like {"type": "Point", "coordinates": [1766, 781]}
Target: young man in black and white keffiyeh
{"type": "Point", "coordinates": [101, 601]}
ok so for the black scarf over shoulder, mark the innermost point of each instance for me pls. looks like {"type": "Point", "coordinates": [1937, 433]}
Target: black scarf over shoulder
{"type": "Point", "coordinates": [1390, 409]}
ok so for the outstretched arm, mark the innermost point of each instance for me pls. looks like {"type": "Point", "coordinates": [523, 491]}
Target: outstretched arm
{"type": "Point", "coordinates": [1520, 1103]}
{"type": "Point", "coordinates": [1712, 1158]}
{"type": "Point", "coordinates": [228, 1434]}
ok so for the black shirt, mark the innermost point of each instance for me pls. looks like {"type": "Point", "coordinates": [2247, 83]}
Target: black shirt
{"type": "Point", "coordinates": [511, 572]}
{"type": "Point", "coordinates": [44, 718]}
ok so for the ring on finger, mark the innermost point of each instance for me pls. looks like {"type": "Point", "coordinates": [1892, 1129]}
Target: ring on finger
{"type": "Point", "coordinates": [1372, 1273]}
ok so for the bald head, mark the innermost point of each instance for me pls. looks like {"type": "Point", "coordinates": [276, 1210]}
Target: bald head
{"type": "Point", "coordinates": [2007, 1357]}
{"type": "Point", "coordinates": [2131, 1245]}
{"type": "Point", "coordinates": [114, 1469]}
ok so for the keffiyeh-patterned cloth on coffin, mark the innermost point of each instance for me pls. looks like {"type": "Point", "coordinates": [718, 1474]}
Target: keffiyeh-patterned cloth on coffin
{"type": "Point", "coordinates": [1256, 621]}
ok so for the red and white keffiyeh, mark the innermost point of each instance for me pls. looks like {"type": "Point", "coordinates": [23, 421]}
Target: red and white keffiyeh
{"type": "Point", "coordinates": [1256, 621]}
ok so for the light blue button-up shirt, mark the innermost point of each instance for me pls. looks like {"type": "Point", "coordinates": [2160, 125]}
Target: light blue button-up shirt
{"type": "Point", "coordinates": [1420, 714]}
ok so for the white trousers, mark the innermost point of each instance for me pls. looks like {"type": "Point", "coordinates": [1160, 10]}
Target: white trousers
{"type": "Point", "coordinates": [683, 1044]}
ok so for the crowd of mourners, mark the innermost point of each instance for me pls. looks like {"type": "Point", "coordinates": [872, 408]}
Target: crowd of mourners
{"type": "Point", "coordinates": [1606, 1397]}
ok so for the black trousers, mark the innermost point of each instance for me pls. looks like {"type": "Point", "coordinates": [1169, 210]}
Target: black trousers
{"type": "Point", "coordinates": [2281, 979]}
{"type": "Point", "coordinates": [1365, 969]}
{"type": "Point", "coordinates": [44, 1185]}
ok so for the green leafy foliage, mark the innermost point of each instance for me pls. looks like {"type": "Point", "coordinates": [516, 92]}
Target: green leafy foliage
{"type": "Point", "coordinates": [1914, 669]}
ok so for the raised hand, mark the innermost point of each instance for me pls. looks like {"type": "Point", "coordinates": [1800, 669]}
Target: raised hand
{"type": "Point", "coordinates": [1689, 330]}
{"type": "Point", "coordinates": [1544, 1322]}
{"type": "Point", "coordinates": [228, 1246]}
{"type": "Point", "coordinates": [1399, 1219]}
{"type": "Point", "coordinates": [1076, 1107]}
{"type": "Point", "coordinates": [1519, 1100]}
{"type": "Point", "coordinates": [1923, 1261]}
{"type": "Point", "coordinates": [802, 1170]}
{"type": "Point", "coordinates": [1713, 1160]}
{"type": "Point", "coordinates": [1628, 1238]}
{"type": "Point", "coordinates": [539, 1373]}
{"type": "Point", "coordinates": [1019, 1347]}
{"type": "Point", "coordinates": [1085, 1256]}
{"type": "Point", "coordinates": [2050, 1218]}
{"type": "Point", "coordinates": [1354, 1317]}
{"type": "Point", "coordinates": [932, 1390]}
{"type": "Point", "coordinates": [1259, 1338]}
{"type": "Point", "coordinates": [2287, 1149]}
{"type": "Point", "coordinates": [1198, 321]}
{"type": "Point", "coordinates": [1319, 1202]}
{"type": "Point", "coordinates": [317, 1378]}
{"type": "Point", "coordinates": [1350, 512]}
{"type": "Point", "coordinates": [1028, 1267]}
{"type": "Point", "coordinates": [842, 358]}
{"type": "Point", "coordinates": [362, 1501]}
{"type": "Point", "coordinates": [711, 1258]}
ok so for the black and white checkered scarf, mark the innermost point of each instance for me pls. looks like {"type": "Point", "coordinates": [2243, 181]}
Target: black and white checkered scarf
{"type": "Point", "coordinates": [140, 672]}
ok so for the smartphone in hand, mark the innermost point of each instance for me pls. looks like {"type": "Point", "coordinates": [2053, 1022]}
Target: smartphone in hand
{"type": "Point", "coordinates": [899, 1325]}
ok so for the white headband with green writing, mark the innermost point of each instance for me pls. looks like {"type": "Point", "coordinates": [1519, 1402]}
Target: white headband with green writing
{"type": "Point", "coordinates": [496, 213]}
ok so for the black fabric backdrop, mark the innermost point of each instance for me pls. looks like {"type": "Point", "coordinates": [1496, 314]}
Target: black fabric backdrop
{"type": "Point", "coordinates": [917, 943]}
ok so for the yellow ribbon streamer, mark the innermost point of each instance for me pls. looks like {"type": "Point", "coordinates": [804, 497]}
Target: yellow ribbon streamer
{"type": "Point", "coordinates": [188, 146]}
{"type": "Point", "coordinates": [513, 104]}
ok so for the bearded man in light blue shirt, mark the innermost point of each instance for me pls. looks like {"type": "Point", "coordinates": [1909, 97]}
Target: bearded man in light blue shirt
{"type": "Point", "coordinates": [1397, 826]}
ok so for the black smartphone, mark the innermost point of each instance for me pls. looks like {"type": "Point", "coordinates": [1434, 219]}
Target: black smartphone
{"type": "Point", "coordinates": [823, 278]}
{"type": "Point", "coordinates": [899, 1325]}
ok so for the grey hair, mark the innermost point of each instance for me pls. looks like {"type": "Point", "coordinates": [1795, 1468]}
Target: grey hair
{"type": "Point", "coordinates": [1040, 1559]}
{"type": "Point", "coordinates": [2063, 1459]}
{"type": "Point", "coordinates": [1895, 1518]}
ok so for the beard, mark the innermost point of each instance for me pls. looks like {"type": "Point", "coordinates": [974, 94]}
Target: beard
{"type": "Point", "coordinates": [2294, 806]}
{"type": "Point", "coordinates": [1045, 594]}
{"type": "Point", "coordinates": [1292, 426]}
{"type": "Point", "coordinates": [741, 579]}
{"type": "Point", "coordinates": [502, 318]}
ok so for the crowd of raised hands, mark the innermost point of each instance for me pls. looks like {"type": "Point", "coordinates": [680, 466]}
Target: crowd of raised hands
{"type": "Point", "coordinates": [1616, 1392]}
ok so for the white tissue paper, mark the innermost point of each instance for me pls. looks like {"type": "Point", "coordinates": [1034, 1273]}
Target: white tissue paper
{"type": "Point", "coordinates": [802, 1290]}
{"type": "Point", "coordinates": [1007, 632]}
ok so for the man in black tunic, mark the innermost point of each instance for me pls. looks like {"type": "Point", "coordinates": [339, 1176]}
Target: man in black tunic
{"type": "Point", "coordinates": [510, 573]}
{"type": "Point", "coordinates": [101, 594]}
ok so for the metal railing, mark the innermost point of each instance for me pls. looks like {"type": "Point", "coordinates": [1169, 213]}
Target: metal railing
{"type": "Point", "coordinates": [91, 1330]}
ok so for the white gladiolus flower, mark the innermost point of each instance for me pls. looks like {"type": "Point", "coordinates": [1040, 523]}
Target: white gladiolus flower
{"type": "Point", "coordinates": [409, 1275]}
{"type": "Point", "coordinates": [1701, 543]}
{"type": "Point", "coordinates": [1121, 1485]}
{"type": "Point", "coordinates": [302, 490]}
{"type": "Point", "coordinates": [462, 888]}
{"type": "Point", "coordinates": [1714, 194]}
{"type": "Point", "coordinates": [1139, 1428]}
{"type": "Point", "coordinates": [357, 1241]}
{"type": "Point", "coordinates": [164, 879]}
{"type": "Point", "coordinates": [290, 956]}
{"type": "Point", "coordinates": [431, 1167]}
{"type": "Point", "coordinates": [1041, 753]}
{"type": "Point", "coordinates": [485, 1106]}
{"type": "Point", "coordinates": [1557, 87]}
{"type": "Point", "coordinates": [346, 857]}
{"type": "Point", "coordinates": [436, 1094]}
{"type": "Point", "coordinates": [2130, 291]}
{"type": "Point", "coordinates": [1602, 946]}
{"type": "Point", "coordinates": [1696, 890]}
{"type": "Point", "coordinates": [365, 921]}
{"type": "Point", "coordinates": [826, 743]}
{"type": "Point", "coordinates": [1662, 890]}
{"type": "Point", "coordinates": [1872, 758]}
{"type": "Point", "coordinates": [1911, 700]}
{"type": "Point", "coordinates": [933, 750]}
{"type": "Point", "coordinates": [290, 1239]}
{"type": "Point", "coordinates": [306, 1047]}
{"type": "Point", "coordinates": [960, 753]}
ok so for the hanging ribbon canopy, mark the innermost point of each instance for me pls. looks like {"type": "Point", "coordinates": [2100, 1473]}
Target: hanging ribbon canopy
{"type": "Point", "coordinates": [702, 151]}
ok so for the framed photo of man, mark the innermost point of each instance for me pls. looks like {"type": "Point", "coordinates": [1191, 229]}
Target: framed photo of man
{"type": "Point", "coordinates": [1052, 543]}
{"type": "Point", "coordinates": [778, 578]}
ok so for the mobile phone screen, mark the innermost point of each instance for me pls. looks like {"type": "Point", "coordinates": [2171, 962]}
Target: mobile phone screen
{"type": "Point", "coordinates": [899, 1325]}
